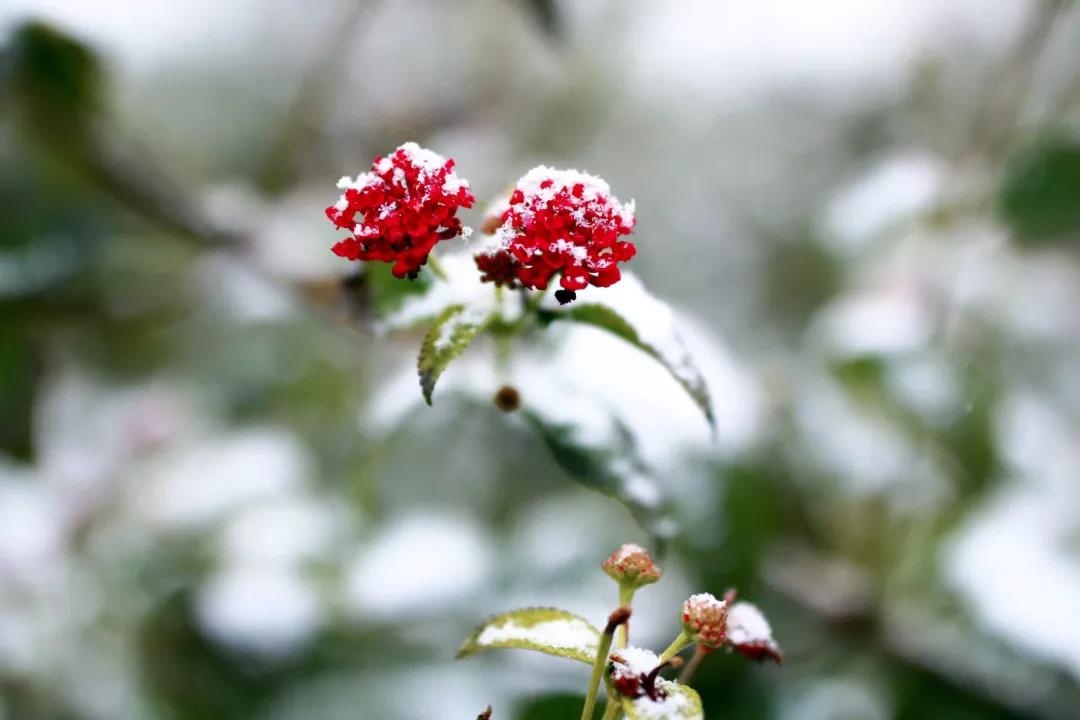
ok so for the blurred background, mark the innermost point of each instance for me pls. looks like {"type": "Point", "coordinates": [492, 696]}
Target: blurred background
{"type": "Point", "coordinates": [221, 496]}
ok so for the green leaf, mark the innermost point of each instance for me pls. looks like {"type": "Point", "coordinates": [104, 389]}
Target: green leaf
{"type": "Point", "coordinates": [453, 331]}
{"type": "Point", "coordinates": [1040, 193]}
{"type": "Point", "coordinates": [664, 345]}
{"type": "Point", "coordinates": [546, 630]}
{"type": "Point", "coordinates": [680, 702]}
{"type": "Point", "coordinates": [606, 459]}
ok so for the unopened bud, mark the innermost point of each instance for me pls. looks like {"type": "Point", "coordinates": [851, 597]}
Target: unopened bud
{"type": "Point", "coordinates": [631, 564]}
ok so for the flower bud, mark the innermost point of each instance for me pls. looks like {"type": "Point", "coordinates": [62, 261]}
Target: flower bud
{"type": "Point", "coordinates": [750, 634]}
{"type": "Point", "coordinates": [704, 618]}
{"type": "Point", "coordinates": [631, 564]}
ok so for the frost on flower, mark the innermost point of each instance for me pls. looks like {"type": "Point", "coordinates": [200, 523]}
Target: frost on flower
{"type": "Point", "coordinates": [398, 210]}
{"type": "Point", "coordinates": [750, 634]}
{"type": "Point", "coordinates": [704, 617]}
{"type": "Point", "coordinates": [631, 564]}
{"type": "Point", "coordinates": [635, 676]}
{"type": "Point", "coordinates": [562, 222]}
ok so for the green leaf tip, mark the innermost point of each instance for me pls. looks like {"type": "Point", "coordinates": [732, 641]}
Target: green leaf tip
{"type": "Point", "coordinates": [453, 330]}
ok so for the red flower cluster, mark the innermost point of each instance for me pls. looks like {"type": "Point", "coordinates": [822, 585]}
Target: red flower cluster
{"type": "Point", "coordinates": [398, 211]}
{"type": "Point", "coordinates": [560, 221]}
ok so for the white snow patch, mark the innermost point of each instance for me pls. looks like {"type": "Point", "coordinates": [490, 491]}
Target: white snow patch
{"type": "Point", "coordinates": [746, 624]}
{"type": "Point", "coordinates": [675, 704]}
{"type": "Point", "coordinates": [1011, 565]}
{"type": "Point", "coordinates": [191, 486]}
{"type": "Point", "coordinates": [268, 611]}
{"type": "Point", "coordinates": [638, 661]}
{"type": "Point", "coordinates": [418, 566]}
{"type": "Point", "coordinates": [569, 634]}
{"type": "Point", "coordinates": [895, 189]}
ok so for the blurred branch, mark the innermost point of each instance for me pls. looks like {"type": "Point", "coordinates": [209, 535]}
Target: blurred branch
{"type": "Point", "coordinates": [842, 596]}
{"type": "Point", "coordinates": [1007, 88]}
{"type": "Point", "coordinates": [314, 97]}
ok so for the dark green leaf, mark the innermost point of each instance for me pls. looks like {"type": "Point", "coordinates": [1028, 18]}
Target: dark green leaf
{"type": "Point", "coordinates": [1040, 194]}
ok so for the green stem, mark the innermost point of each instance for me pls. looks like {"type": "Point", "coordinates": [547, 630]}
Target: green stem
{"type": "Point", "coordinates": [676, 645]}
{"type": "Point", "coordinates": [611, 712]}
{"type": "Point", "coordinates": [626, 598]}
{"type": "Point", "coordinates": [437, 267]}
{"type": "Point", "coordinates": [617, 618]}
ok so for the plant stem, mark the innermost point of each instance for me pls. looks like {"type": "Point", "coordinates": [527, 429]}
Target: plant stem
{"type": "Point", "coordinates": [691, 667]}
{"type": "Point", "coordinates": [437, 267]}
{"type": "Point", "coordinates": [617, 618]}
{"type": "Point", "coordinates": [676, 645]}
{"type": "Point", "coordinates": [626, 598]}
{"type": "Point", "coordinates": [612, 710]}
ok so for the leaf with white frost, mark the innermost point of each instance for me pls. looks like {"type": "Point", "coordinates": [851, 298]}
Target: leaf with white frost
{"type": "Point", "coordinates": [455, 328]}
{"type": "Point", "coordinates": [677, 702]}
{"type": "Point", "coordinates": [600, 453]}
{"type": "Point", "coordinates": [632, 314]}
{"type": "Point", "coordinates": [546, 630]}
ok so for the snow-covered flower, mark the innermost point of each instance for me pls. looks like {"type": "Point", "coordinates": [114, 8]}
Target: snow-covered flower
{"type": "Point", "coordinates": [631, 564]}
{"type": "Point", "coordinates": [750, 634]}
{"type": "Point", "coordinates": [704, 619]}
{"type": "Point", "coordinates": [634, 671]}
{"type": "Point", "coordinates": [400, 209]}
{"type": "Point", "coordinates": [559, 222]}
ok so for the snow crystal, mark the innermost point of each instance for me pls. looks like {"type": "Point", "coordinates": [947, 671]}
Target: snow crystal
{"type": "Point", "coordinates": [569, 634]}
{"type": "Point", "coordinates": [746, 624]}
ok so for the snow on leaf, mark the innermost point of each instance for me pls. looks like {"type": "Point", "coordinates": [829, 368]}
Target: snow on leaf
{"type": "Point", "coordinates": [547, 630]}
{"type": "Point", "coordinates": [677, 702]}
{"type": "Point", "coordinates": [454, 329]}
{"type": "Point", "coordinates": [603, 456]}
{"type": "Point", "coordinates": [648, 324]}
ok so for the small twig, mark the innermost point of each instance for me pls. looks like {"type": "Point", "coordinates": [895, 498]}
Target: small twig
{"type": "Point", "coordinates": [691, 667]}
